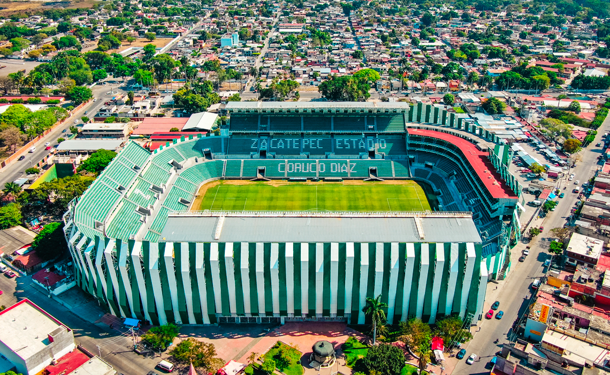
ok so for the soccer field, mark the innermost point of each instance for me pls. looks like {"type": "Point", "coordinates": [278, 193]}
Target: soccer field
{"type": "Point", "coordinates": [314, 196]}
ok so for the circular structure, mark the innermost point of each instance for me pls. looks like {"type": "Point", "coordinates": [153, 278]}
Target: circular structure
{"type": "Point", "coordinates": [323, 354]}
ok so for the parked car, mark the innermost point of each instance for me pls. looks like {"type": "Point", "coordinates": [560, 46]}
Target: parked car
{"type": "Point", "coordinates": [47, 144]}
{"type": "Point", "coordinates": [598, 145]}
{"type": "Point", "coordinates": [547, 263]}
{"type": "Point", "coordinates": [21, 157]}
{"type": "Point", "coordinates": [526, 252]}
{"type": "Point", "coordinates": [471, 359]}
{"type": "Point", "coordinates": [489, 314]}
{"type": "Point", "coordinates": [10, 274]}
{"type": "Point", "coordinates": [522, 258]}
{"type": "Point", "coordinates": [536, 284]}
{"type": "Point", "coordinates": [495, 305]}
{"type": "Point", "coordinates": [562, 195]}
{"type": "Point", "coordinates": [461, 354]}
{"type": "Point", "coordinates": [499, 315]}
{"type": "Point", "coordinates": [3, 267]}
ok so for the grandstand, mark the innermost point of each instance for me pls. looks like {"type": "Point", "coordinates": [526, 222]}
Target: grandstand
{"type": "Point", "coordinates": [148, 242]}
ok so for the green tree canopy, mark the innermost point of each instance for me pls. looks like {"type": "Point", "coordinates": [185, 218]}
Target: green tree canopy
{"type": "Point", "coordinates": [10, 215]}
{"type": "Point", "coordinates": [79, 94]}
{"type": "Point", "coordinates": [97, 161]}
{"type": "Point", "coordinates": [448, 99]}
{"type": "Point", "coordinates": [383, 359]}
{"type": "Point", "coordinates": [571, 145]}
{"type": "Point", "coordinates": [345, 88]}
{"type": "Point", "coordinates": [493, 106]}
{"type": "Point", "coordinates": [160, 337]}
{"type": "Point", "coordinates": [201, 354]}
{"type": "Point", "coordinates": [537, 168]}
{"type": "Point", "coordinates": [50, 242]}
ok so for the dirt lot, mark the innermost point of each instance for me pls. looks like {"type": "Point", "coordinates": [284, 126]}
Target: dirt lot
{"type": "Point", "coordinates": [11, 7]}
{"type": "Point", "coordinates": [140, 42]}
{"type": "Point", "coordinates": [12, 66]}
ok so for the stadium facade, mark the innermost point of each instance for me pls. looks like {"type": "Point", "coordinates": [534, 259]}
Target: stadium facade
{"type": "Point", "coordinates": [140, 248]}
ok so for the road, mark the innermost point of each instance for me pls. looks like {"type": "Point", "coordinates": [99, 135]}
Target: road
{"type": "Point", "coordinates": [16, 169]}
{"type": "Point", "coordinates": [246, 93]}
{"type": "Point", "coordinates": [512, 291]}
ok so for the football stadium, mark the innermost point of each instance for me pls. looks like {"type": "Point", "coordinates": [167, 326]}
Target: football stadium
{"type": "Point", "coordinates": [300, 211]}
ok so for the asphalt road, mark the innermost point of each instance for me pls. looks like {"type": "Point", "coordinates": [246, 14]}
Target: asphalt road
{"type": "Point", "coordinates": [16, 169]}
{"type": "Point", "coordinates": [514, 292]}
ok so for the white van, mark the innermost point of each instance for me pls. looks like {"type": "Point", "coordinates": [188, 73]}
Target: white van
{"type": "Point", "coordinates": [32, 149]}
{"type": "Point", "coordinates": [537, 203]}
{"type": "Point", "coordinates": [166, 366]}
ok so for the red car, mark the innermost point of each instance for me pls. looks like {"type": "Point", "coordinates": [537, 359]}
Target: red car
{"type": "Point", "coordinates": [10, 274]}
{"type": "Point", "coordinates": [489, 314]}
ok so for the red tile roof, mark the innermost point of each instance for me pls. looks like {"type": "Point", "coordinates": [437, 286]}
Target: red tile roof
{"type": "Point", "coordinates": [27, 261]}
{"type": "Point", "coordinates": [66, 364]}
{"type": "Point", "coordinates": [49, 278]}
{"type": "Point", "coordinates": [477, 159]}
{"type": "Point", "coordinates": [152, 125]}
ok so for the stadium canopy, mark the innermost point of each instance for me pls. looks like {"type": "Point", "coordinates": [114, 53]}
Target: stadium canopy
{"type": "Point", "coordinates": [200, 121]}
{"type": "Point", "coordinates": [90, 145]}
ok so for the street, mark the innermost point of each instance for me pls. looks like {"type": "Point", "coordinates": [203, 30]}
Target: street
{"type": "Point", "coordinates": [514, 292]}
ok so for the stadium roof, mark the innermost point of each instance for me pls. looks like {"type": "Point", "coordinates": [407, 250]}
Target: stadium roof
{"type": "Point", "coordinates": [89, 145]}
{"type": "Point", "coordinates": [196, 228]}
{"type": "Point", "coordinates": [315, 105]}
{"type": "Point", "coordinates": [200, 121]}
{"type": "Point", "coordinates": [152, 125]}
{"type": "Point", "coordinates": [478, 159]}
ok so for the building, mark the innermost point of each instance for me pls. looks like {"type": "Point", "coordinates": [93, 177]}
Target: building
{"type": "Point", "coordinates": [139, 250]}
{"type": "Point", "coordinates": [583, 250]}
{"type": "Point", "coordinates": [104, 130]}
{"type": "Point", "coordinates": [31, 339]}
{"type": "Point", "coordinates": [152, 125]}
{"type": "Point", "coordinates": [229, 40]}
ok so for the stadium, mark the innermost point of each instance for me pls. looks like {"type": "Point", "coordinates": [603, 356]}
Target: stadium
{"type": "Point", "coordinates": [300, 211]}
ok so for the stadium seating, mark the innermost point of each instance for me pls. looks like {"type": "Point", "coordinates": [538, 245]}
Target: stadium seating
{"type": "Point", "coordinates": [125, 223]}
{"type": "Point", "coordinates": [394, 123]}
{"type": "Point", "coordinates": [287, 123]}
{"type": "Point", "coordinates": [233, 168]}
{"type": "Point", "coordinates": [275, 168]}
{"type": "Point", "coordinates": [96, 204]}
{"type": "Point", "coordinates": [141, 194]}
{"type": "Point", "coordinates": [133, 153]}
{"type": "Point", "coordinates": [243, 145]}
{"type": "Point", "coordinates": [159, 222]}
{"type": "Point", "coordinates": [348, 123]}
{"type": "Point", "coordinates": [333, 168]}
{"type": "Point", "coordinates": [155, 174]}
{"type": "Point", "coordinates": [448, 166]}
{"type": "Point", "coordinates": [203, 171]}
{"type": "Point", "coordinates": [423, 157]}
{"type": "Point", "coordinates": [463, 185]}
{"type": "Point", "coordinates": [285, 144]}
{"type": "Point", "coordinates": [401, 169]}
{"type": "Point", "coordinates": [164, 156]}
{"type": "Point", "coordinates": [172, 201]}
{"type": "Point", "coordinates": [394, 146]}
{"type": "Point", "coordinates": [189, 149]}
{"type": "Point", "coordinates": [186, 184]}
{"type": "Point", "coordinates": [215, 144]}
{"type": "Point", "coordinates": [452, 207]}
{"type": "Point", "coordinates": [440, 184]}
{"type": "Point", "coordinates": [251, 165]}
{"type": "Point", "coordinates": [317, 123]}
{"type": "Point", "coordinates": [384, 169]}
{"type": "Point", "coordinates": [243, 123]}
{"type": "Point", "coordinates": [421, 173]}
{"type": "Point", "coordinates": [121, 174]}
{"type": "Point", "coordinates": [351, 145]}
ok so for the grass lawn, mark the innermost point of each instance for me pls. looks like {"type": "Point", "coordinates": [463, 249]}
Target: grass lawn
{"type": "Point", "coordinates": [411, 370]}
{"type": "Point", "coordinates": [290, 366]}
{"type": "Point", "coordinates": [354, 350]}
{"type": "Point", "coordinates": [317, 196]}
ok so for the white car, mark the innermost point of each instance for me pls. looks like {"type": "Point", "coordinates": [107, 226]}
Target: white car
{"type": "Point", "coordinates": [576, 182]}
{"type": "Point", "coordinates": [571, 177]}
{"type": "Point", "coordinates": [47, 144]}
{"type": "Point", "coordinates": [471, 359]}
{"type": "Point", "coordinates": [2, 267]}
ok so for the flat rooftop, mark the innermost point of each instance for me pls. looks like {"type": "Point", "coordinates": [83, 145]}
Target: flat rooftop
{"type": "Point", "coordinates": [316, 105]}
{"type": "Point", "coordinates": [291, 227]}
{"type": "Point", "coordinates": [26, 327]}
{"type": "Point", "coordinates": [478, 159]}
{"type": "Point", "coordinates": [586, 246]}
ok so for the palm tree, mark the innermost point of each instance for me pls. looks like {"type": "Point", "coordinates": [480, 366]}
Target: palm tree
{"type": "Point", "coordinates": [11, 188]}
{"type": "Point", "coordinates": [375, 309]}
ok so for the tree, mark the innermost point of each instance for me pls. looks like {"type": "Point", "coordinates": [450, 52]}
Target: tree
{"type": "Point", "coordinates": [11, 188]}
{"type": "Point", "coordinates": [150, 36]}
{"type": "Point", "coordinates": [200, 354]}
{"type": "Point", "coordinates": [79, 94]}
{"type": "Point", "coordinates": [357, 54]}
{"type": "Point", "coordinates": [563, 234]}
{"type": "Point", "coordinates": [556, 247]}
{"type": "Point", "coordinates": [35, 54]}
{"type": "Point", "coordinates": [61, 191]}
{"type": "Point", "coordinates": [549, 206]}
{"type": "Point", "coordinates": [368, 75]}
{"type": "Point", "coordinates": [10, 216]}
{"type": "Point", "coordinates": [571, 145]}
{"type": "Point", "coordinates": [554, 127]}
{"type": "Point", "coordinates": [448, 99]}
{"type": "Point", "coordinates": [345, 88]}
{"type": "Point", "coordinates": [374, 308]}
{"type": "Point", "coordinates": [493, 106]}
{"type": "Point", "coordinates": [99, 74]}
{"type": "Point", "coordinates": [16, 115]}
{"type": "Point", "coordinates": [384, 359]}
{"type": "Point", "coordinates": [534, 231]}
{"type": "Point", "coordinates": [50, 242]}
{"type": "Point", "coordinates": [537, 168]}
{"type": "Point", "coordinates": [574, 106]}
{"type": "Point", "coordinates": [427, 19]}
{"type": "Point", "coordinates": [32, 171]}
{"type": "Point", "coordinates": [414, 333]}
{"type": "Point", "coordinates": [268, 366]}
{"type": "Point", "coordinates": [160, 337]}
{"type": "Point", "coordinates": [97, 161]}
{"type": "Point", "coordinates": [130, 96]}
{"type": "Point", "coordinates": [235, 98]}
{"type": "Point", "coordinates": [452, 328]}
{"type": "Point", "coordinates": [11, 137]}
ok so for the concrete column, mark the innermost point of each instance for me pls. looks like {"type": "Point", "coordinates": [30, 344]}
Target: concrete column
{"type": "Point", "coordinates": [88, 250]}
{"type": "Point", "coordinates": [454, 269]}
{"type": "Point", "coordinates": [305, 278]}
{"type": "Point", "coordinates": [274, 267]}
{"type": "Point", "coordinates": [334, 277]}
{"type": "Point", "coordinates": [364, 277]}
{"type": "Point", "coordinates": [230, 274]}
{"type": "Point", "coordinates": [424, 266]}
{"type": "Point", "coordinates": [470, 258]}
{"type": "Point", "coordinates": [201, 284]}
{"type": "Point", "coordinates": [136, 263]}
{"type": "Point", "coordinates": [349, 276]}
{"type": "Point", "coordinates": [394, 267]}
{"type": "Point", "coordinates": [319, 279]}
{"type": "Point", "coordinates": [484, 278]}
{"type": "Point", "coordinates": [99, 256]}
{"type": "Point", "coordinates": [125, 276]}
{"type": "Point", "coordinates": [111, 267]}
{"type": "Point", "coordinates": [378, 269]}
{"type": "Point", "coordinates": [439, 267]}
{"type": "Point", "coordinates": [260, 277]}
{"type": "Point", "coordinates": [290, 278]}
{"type": "Point", "coordinates": [168, 257]}
{"type": "Point", "coordinates": [186, 281]}
{"type": "Point", "coordinates": [408, 282]}
{"type": "Point", "coordinates": [155, 278]}
{"type": "Point", "coordinates": [215, 272]}
{"type": "Point", "coordinates": [245, 277]}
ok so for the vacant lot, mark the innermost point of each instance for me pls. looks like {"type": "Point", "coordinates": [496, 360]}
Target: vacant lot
{"type": "Point", "coordinates": [314, 196]}
{"type": "Point", "coordinates": [11, 7]}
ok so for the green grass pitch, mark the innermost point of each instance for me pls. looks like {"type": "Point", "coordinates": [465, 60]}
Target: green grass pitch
{"type": "Point", "coordinates": [317, 197]}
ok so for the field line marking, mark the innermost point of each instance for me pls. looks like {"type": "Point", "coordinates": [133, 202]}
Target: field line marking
{"type": "Point", "coordinates": [418, 198]}
{"type": "Point", "coordinates": [316, 198]}
{"type": "Point", "coordinates": [246, 201]}
{"type": "Point", "coordinates": [389, 207]}
{"type": "Point", "coordinates": [217, 188]}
